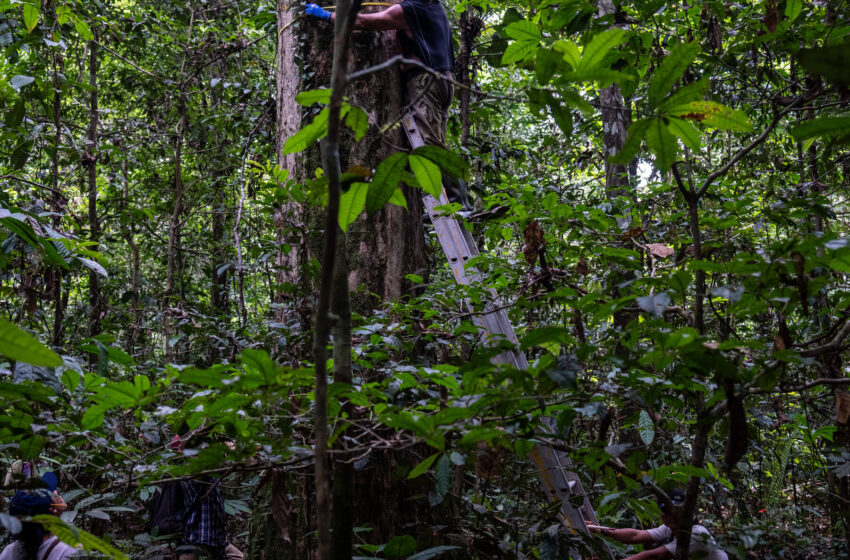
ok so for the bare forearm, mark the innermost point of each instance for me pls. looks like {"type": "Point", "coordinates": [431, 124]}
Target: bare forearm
{"type": "Point", "coordinates": [627, 536]}
{"type": "Point", "coordinates": [386, 20]}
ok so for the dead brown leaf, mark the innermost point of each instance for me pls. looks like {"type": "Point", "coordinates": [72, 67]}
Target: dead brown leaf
{"type": "Point", "coordinates": [534, 242]}
{"type": "Point", "coordinates": [660, 250]}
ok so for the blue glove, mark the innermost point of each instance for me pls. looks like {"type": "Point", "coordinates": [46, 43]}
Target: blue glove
{"type": "Point", "coordinates": [317, 12]}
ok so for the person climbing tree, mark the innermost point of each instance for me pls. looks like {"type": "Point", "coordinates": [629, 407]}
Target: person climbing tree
{"type": "Point", "coordinates": [425, 36]}
{"type": "Point", "coordinates": [702, 543]}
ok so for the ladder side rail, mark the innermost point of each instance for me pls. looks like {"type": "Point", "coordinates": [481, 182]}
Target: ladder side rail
{"type": "Point", "coordinates": [553, 468]}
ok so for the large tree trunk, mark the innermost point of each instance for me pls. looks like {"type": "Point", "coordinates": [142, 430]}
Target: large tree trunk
{"type": "Point", "coordinates": [382, 249]}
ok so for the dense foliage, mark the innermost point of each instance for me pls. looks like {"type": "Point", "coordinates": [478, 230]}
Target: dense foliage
{"type": "Point", "coordinates": [682, 297]}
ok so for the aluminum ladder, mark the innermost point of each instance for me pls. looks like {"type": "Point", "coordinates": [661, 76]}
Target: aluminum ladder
{"type": "Point", "coordinates": [554, 468]}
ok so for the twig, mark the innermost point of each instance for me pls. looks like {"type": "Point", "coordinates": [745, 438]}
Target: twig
{"type": "Point", "coordinates": [131, 63]}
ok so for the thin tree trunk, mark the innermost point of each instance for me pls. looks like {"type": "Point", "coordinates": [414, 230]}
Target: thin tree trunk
{"type": "Point", "coordinates": [91, 163]}
{"type": "Point", "coordinates": [173, 266]}
{"type": "Point", "coordinates": [134, 328]}
{"type": "Point", "coordinates": [346, 13]}
{"type": "Point", "coordinates": [343, 468]}
{"type": "Point", "coordinates": [56, 199]}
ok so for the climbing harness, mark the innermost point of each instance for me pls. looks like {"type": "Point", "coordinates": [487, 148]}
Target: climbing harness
{"type": "Point", "coordinates": [554, 468]}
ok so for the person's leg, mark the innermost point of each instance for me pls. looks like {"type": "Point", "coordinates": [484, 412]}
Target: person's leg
{"type": "Point", "coordinates": [232, 553]}
{"type": "Point", "coordinates": [429, 99]}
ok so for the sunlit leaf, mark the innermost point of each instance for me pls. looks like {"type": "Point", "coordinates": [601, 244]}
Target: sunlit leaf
{"type": "Point", "coordinates": [17, 344]}
{"type": "Point", "coordinates": [662, 144]}
{"type": "Point", "coordinates": [351, 204]}
{"type": "Point", "coordinates": [670, 70]}
{"type": "Point", "coordinates": [385, 181]}
{"type": "Point", "coordinates": [427, 174]}
{"type": "Point", "coordinates": [594, 53]}
{"type": "Point", "coordinates": [714, 115]}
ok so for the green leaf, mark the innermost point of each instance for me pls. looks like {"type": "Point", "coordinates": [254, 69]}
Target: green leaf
{"type": "Point", "coordinates": [686, 132]}
{"type": "Point", "coordinates": [397, 198]}
{"type": "Point", "coordinates": [691, 92]}
{"type": "Point", "coordinates": [545, 335]}
{"type": "Point", "coordinates": [31, 16]}
{"type": "Point", "coordinates": [570, 52]}
{"type": "Point", "coordinates": [433, 552]}
{"type": "Point", "coordinates": [519, 51]}
{"type": "Point", "coordinates": [83, 29]}
{"type": "Point", "coordinates": [670, 70]}
{"type": "Point", "coordinates": [32, 446]}
{"type": "Point", "coordinates": [427, 174]}
{"type": "Point", "coordinates": [563, 117]}
{"type": "Point", "coordinates": [305, 137]}
{"type": "Point", "coordinates": [423, 466]}
{"type": "Point", "coordinates": [824, 126]}
{"type": "Point", "coordinates": [575, 99]}
{"type": "Point", "coordinates": [20, 81]}
{"type": "Point", "coordinates": [449, 162]}
{"type": "Point", "coordinates": [546, 64]}
{"type": "Point", "coordinates": [602, 76]}
{"type": "Point", "coordinates": [93, 417]}
{"type": "Point", "coordinates": [385, 181]}
{"type": "Point", "coordinates": [358, 121]}
{"type": "Point", "coordinates": [123, 394]}
{"type": "Point", "coordinates": [714, 115]}
{"type": "Point", "coordinates": [309, 97]}
{"type": "Point", "coordinates": [63, 14]}
{"type": "Point", "coordinates": [793, 9]}
{"type": "Point", "coordinates": [831, 62]}
{"type": "Point", "coordinates": [351, 204]}
{"type": "Point", "coordinates": [662, 144]}
{"type": "Point", "coordinates": [523, 30]}
{"type": "Point", "coordinates": [594, 53]}
{"type": "Point", "coordinates": [73, 536]}
{"type": "Point", "coordinates": [646, 427]}
{"type": "Point", "coordinates": [405, 545]}
{"type": "Point", "coordinates": [444, 476]}
{"type": "Point", "coordinates": [637, 132]}
{"type": "Point", "coordinates": [17, 344]}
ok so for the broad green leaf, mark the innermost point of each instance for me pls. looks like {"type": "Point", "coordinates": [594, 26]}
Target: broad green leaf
{"type": "Point", "coordinates": [824, 126]}
{"type": "Point", "coordinates": [94, 266]}
{"type": "Point", "coordinates": [686, 132]}
{"type": "Point", "coordinates": [93, 417]}
{"type": "Point", "coordinates": [543, 335]}
{"type": "Point", "coordinates": [398, 198]}
{"type": "Point", "coordinates": [594, 53]}
{"type": "Point", "coordinates": [63, 14]}
{"type": "Point", "coordinates": [831, 62]}
{"type": "Point", "coordinates": [404, 545]}
{"type": "Point", "coordinates": [385, 181]}
{"type": "Point", "coordinates": [351, 204]}
{"type": "Point", "coordinates": [444, 476]}
{"type": "Point", "coordinates": [646, 427]}
{"type": "Point", "coordinates": [358, 121]}
{"type": "Point", "coordinates": [662, 144]}
{"type": "Point", "coordinates": [31, 447]}
{"type": "Point", "coordinates": [523, 30]}
{"type": "Point", "coordinates": [17, 344]}
{"type": "Point", "coordinates": [31, 16]}
{"type": "Point", "coordinates": [575, 99]}
{"type": "Point", "coordinates": [305, 137]}
{"type": "Point", "coordinates": [73, 536]}
{"type": "Point", "coordinates": [570, 52]}
{"type": "Point", "coordinates": [546, 64]}
{"type": "Point", "coordinates": [309, 97]}
{"type": "Point", "coordinates": [423, 466]}
{"type": "Point", "coordinates": [428, 174]}
{"type": "Point", "coordinates": [433, 552]}
{"type": "Point", "coordinates": [83, 29]}
{"type": "Point", "coordinates": [714, 115]}
{"type": "Point", "coordinates": [691, 92]}
{"type": "Point", "coordinates": [122, 393]}
{"type": "Point", "coordinates": [602, 76]}
{"type": "Point", "coordinates": [519, 51]}
{"type": "Point", "coordinates": [449, 162]}
{"type": "Point", "coordinates": [562, 117]}
{"type": "Point", "coordinates": [793, 9]}
{"type": "Point", "coordinates": [637, 132]}
{"type": "Point", "coordinates": [670, 70]}
{"type": "Point", "coordinates": [20, 81]}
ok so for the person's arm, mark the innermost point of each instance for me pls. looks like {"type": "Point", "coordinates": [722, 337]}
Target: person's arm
{"type": "Point", "coordinates": [660, 553]}
{"type": "Point", "coordinates": [625, 536]}
{"type": "Point", "coordinates": [386, 20]}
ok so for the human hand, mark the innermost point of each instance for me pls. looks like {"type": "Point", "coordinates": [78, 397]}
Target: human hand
{"type": "Point", "coordinates": [317, 12]}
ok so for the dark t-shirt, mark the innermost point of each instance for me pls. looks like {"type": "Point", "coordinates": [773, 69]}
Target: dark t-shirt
{"type": "Point", "coordinates": [432, 38]}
